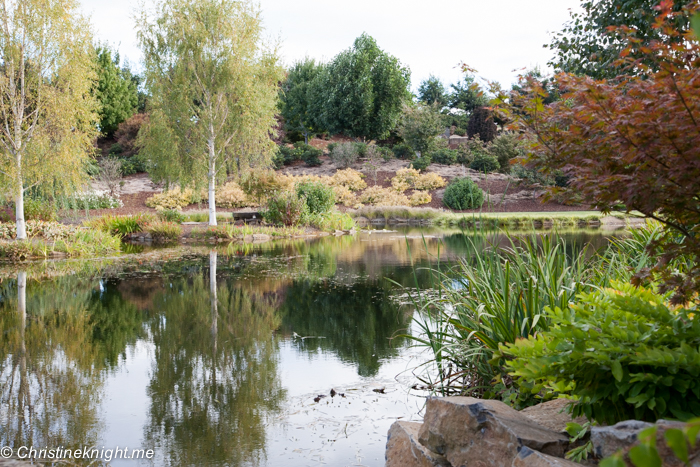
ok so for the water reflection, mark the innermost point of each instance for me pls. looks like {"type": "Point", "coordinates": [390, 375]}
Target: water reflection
{"type": "Point", "coordinates": [212, 328]}
{"type": "Point", "coordinates": [51, 387]}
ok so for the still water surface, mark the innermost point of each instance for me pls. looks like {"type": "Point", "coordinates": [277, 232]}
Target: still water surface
{"type": "Point", "coordinates": [215, 357]}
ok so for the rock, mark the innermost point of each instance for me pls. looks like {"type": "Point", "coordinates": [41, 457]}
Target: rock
{"type": "Point", "coordinates": [552, 415]}
{"type": "Point", "coordinates": [404, 450]}
{"type": "Point", "coordinates": [323, 234]}
{"type": "Point", "coordinates": [607, 440]}
{"type": "Point", "coordinates": [529, 458]}
{"type": "Point", "coordinates": [624, 435]}
{"type": "Point", "coordinates": [261, 238]}
{"type": "Point", "coordinates": [478, 432]}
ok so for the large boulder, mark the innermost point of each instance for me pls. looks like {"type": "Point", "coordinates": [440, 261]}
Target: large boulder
{"type": "Point", "coordinates": [404, 450]}
{"type": "Point", "coordinates": [482, 433]}
{"type": "Point", "coordinates": [528, 458]}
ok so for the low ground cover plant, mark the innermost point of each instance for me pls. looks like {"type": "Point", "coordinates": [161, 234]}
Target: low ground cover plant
{"type": "Point", "coordinates": [171, 199]}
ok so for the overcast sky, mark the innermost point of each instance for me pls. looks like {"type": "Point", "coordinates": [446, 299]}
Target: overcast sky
{"type": "Point", "coordinates": [435, 36]}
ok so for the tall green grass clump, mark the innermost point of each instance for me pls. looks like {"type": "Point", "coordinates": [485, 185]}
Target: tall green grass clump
{"type": "Point", "coordinates": [503, 295]}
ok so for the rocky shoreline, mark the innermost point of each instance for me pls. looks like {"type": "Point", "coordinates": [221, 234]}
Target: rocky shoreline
{"type": "Point", "coordinates": [464, 431]}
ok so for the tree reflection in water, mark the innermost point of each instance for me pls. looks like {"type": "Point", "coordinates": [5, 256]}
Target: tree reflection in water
{"type": "Point", "coordinates": [214, 382]}
{"type": "Point", "coordinates": [50, 379]}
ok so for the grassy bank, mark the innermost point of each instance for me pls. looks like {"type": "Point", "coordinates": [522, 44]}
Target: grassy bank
{"type": "Point", "coordinates": [56, 240]}
{"type": "Point", "coordinates": [507, 219]}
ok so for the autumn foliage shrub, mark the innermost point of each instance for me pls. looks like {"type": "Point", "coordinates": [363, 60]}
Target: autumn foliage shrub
{"type": "Point", "coordinates": [630, 140]}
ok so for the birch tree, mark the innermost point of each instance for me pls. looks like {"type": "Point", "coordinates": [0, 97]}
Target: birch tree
{"type": "Point", "coordinates": [47, 111]}
{"type": "Point", "coordinates": [214, 88]}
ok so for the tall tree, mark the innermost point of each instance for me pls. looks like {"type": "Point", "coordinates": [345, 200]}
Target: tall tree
{"type": "Point", "coordinates": [48, 113]}
{"type": "Point", "coordinates": [116, 91]}
{"type": "Point", "coordinates": [432, 91]}
{"type": "Point", "coordinates": [295, 98]}
{"type": "Point", "coordinates": [467, 95]}
{"type": "Point", "coordinates": [590, 42]}
{"type": "Point", "coordinates": [362, 91]}
{"type": "Point", "coordinates": [214, 91]}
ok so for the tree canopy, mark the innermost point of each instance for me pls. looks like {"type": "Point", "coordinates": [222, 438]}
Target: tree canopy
{"type": "Point", "coordinates": [214, 91]}
{"type": "Point", "coordinates": [115, 91]}
{"type": "Point", "coordinates": [590, 43]}
{"type": "Point", "coordinates": [48, 110]}
{"type": "Point", "coordinates": [432, 91]}
{"type": "Point", "coordinates": [296, 108]}
{"type": "Point", "coordinates": [361, 91]}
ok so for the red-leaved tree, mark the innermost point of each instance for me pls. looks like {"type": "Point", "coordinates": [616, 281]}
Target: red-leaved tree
{"type": "Point", "coordinates": [634, 140]}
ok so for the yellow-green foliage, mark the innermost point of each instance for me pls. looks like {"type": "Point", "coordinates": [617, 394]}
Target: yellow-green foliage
{"type": "Point", "coordinates": [349, 178]}
{"type": "Point", "coordinates": [411, 178]}
{"type": "Point", "coordinates": [378, 196]}
{"type": "Point", "coordinates": [231, 195]}
{"type": "Point", "coordinates": [420, 197]}
{"type": "Point", "coordinates": [171, 199]}
{"type": "Point", "coordinates": [344, 196]}
{"type": "Point", "coordinates": [404, 179]}
{"type": "Point", "coordinates": [164, 231]}
{"type": "Point", "coordinates": [47, 230]}
{"type": "Point", "coordinates": [429, 181]}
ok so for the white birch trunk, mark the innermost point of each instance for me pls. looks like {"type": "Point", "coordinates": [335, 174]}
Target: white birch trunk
{"type": "Point", "coordinates": [212, 182]}
{"type": "Point", "coordinates": [19, 214]}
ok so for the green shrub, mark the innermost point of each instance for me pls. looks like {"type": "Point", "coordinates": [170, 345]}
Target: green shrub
{"type": "Point", "coordinates": [164, 231]}
{"type": "Point", "coordinates": [385, 153]}
{"type": "Point", "coordinates": [462, 194]}
{"type": "Point", "coordinates": [309, 154]}
{"type": "Point", "coordinates": [285, 208]}
{"type": "Point", "coordinates": [361, 148]}
{"type": "Point", "coordinates": [421, 163]}
{"type": "Point", "coordinates": [464, 155]}
{"type": "Point", "coordinates": [345, 154]}
{"type": "Point", "coordinates": [171, 215]}
{"type": "Point", "coordinates": [132, 165]}
{"type": "Point", "coordinates": [444, 156]}
{"type": "Point", "coordinates": [505, 148]}
{"type": "Point", "coordinates": [484, 162]}
{"type": "Point", "coordinates": [39, 210]}
{"type": "Point", "coordinates": [320, 198]}
{"type": "Point", "coordinates": [403, 151]}
{"type": "Point", "coordinates": [115, 149]}
{"type": "Point", "coordinates": [621, 352]}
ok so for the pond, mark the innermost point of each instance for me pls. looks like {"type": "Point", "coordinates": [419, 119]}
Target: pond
{"type": "Point", "coordinates": [282, 354]}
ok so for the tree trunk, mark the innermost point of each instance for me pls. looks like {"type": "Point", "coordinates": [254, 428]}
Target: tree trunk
{"type": "Point", "coordinates": [19, 214]}
{"type": "Point", "coordinates": [214, 300]}
{"type": "Point", "coordinates": [212, 183]}
{"type": "Point", "coordinates": [23, 396]}
{"type": "Point", "coordinates": [306, 137]}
